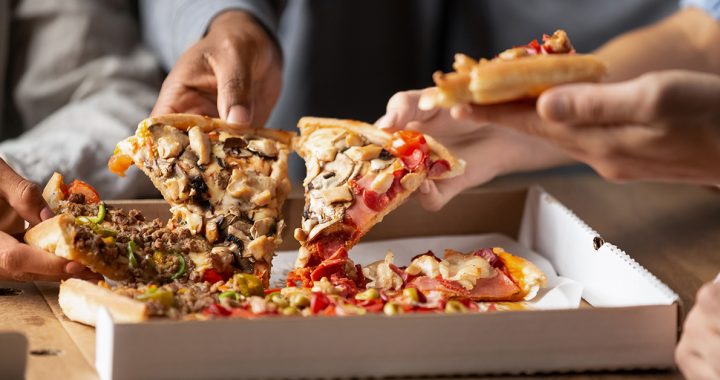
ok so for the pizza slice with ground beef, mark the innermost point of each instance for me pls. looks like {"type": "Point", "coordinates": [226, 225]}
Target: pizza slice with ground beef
{"type": "Point", "coordinates": [223, 181]}
{"type": "Point", "coordinates": [357, 174]}
{"type": "Point", "coordinates": [121, 245]}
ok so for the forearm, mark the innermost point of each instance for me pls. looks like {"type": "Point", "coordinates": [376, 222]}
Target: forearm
{"type": "Point", "coordinates": [687, 40]}
{"type": "Point", "coordinates": [171, 27]}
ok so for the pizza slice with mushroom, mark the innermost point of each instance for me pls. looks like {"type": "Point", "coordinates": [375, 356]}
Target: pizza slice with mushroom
{"type": "Point", "coordinates": [357, 174]}
{"type": "Point", "coordinates": [224, 181]}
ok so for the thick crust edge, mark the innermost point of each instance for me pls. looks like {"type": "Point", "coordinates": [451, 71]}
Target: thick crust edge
{"type": "Point", "coordinates": [185, 121]}
{"type": "Point", "coordinates": [501, 81]}
{"type": "Point", "coordinates": [54, 236]}
{"type": "Point", "coordinates": [80, 301]}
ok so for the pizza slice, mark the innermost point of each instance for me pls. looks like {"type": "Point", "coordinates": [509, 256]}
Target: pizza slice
{"type": "Point", "coordinates": [517, 73]}
{"type": "Point", "coordinates": [357, 174]}
{"type": "Point", "coordinates": [121, 245]}
{"type": "Point", "coordinates": [227, 182]}
{"type": "Point", "coordinates": [488, 274]}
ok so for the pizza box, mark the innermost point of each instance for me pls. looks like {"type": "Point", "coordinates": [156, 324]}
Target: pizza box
{"type": "Point", "coordinates": [628, 318]}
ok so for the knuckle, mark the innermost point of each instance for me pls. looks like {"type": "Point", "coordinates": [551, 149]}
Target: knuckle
{"type": "Point", "coordinates": [10, 261]}
{"type": "Point", "coordinates": [27, 191]}
{"type": "Point", "coordinates": [588, 108]}
{"type": "Point", "coordinates": [708, 297]}
{"type": "Point", "coordinates": [401, 100]}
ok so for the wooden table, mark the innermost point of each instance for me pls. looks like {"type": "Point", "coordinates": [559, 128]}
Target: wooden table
{"type": "Point", "coordinates": [672, 230]}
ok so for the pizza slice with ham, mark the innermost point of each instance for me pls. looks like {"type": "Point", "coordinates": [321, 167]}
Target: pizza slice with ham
{"type": "Point", "coordinates": [516, 73]}
{"type": "Point", "coordinates": [357, 174]}
{"type": "Point", "coordinates": [488, 274]}
{"type": "Point", "coordinates": [224, 181]}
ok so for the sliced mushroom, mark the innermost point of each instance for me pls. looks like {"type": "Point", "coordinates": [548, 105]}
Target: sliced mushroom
{"type": "Point", "coordinates": [317, 229]}
{"type": "Point", "coordinates": [200, 144]}
{"type": "Point", "coordinates": [263, 213]}
{"type": "Point", "coordinates": [364, 153]}
{"type": "Point", "coordinates": [379, 164]}
{"type": "Point", "coordinates": [300, 235]}
{"type": "Point", "coordinates": [239, 189]}
{"type": "Point", "coordinates": [342, 166]}
{"type": "Point", "coordinates": [222, 258]}
{"type": "Point", "coordinates": [411, 181]}
{"type": "Point", "coordinates": [177, 189]}
{"type": "Point", "coordinates": [335, 194]}
{"type": "Point", "coordinates": [262, 227]}
{"type": "Point", "coordinates": [262, 198]}
{"type": "Point", "coordinates": [265, 147]}
{"type": "Point", "coordinates": [382, 182]}
{"type": "Point", "coordinates": [313, 169]}
{"type": "Point", "coordinates": [169, 147]}
{"type": "Point", "coordinates": [260, 247]}
{"type": "Point", "coordinates": [353, 139]}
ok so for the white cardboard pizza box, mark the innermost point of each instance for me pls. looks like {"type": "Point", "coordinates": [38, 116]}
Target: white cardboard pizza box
{"type": "Point", "coordinates": [630, 320]}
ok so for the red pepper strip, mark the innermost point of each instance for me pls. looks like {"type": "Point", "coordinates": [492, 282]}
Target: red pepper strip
{"type": "Point", "coordinates": [216, 310]}
{"type": "Point", "coordinates": [318, 302]}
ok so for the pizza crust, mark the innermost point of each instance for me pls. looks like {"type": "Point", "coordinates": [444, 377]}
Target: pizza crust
{"type": "Point", "coordinates": [500, 80]}
{"type": "Point", "coordinates": [81, 300]}
{"type": "Point", "coordinates": [185, 121]}
{"type": "Point", "coordinates": [56, 236]}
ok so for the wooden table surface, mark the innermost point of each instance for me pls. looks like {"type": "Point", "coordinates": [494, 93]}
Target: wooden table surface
{"type": "Point", "coordinates": [672, 230]}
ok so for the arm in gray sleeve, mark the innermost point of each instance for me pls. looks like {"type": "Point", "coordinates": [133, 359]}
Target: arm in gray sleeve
{"type": "Point", "coordinates": [171, 26]}
{"type": "Point", "coordinates": [80, 94]}
{"type": "Point", "coordinates": [711, 7]}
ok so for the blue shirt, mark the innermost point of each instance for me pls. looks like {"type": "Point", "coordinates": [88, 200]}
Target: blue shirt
{"type": "Point", "coordinates": [712, 7]}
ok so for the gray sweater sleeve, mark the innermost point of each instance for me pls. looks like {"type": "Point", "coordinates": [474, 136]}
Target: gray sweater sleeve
{"type": "Point", "coordinates": [172, 26]}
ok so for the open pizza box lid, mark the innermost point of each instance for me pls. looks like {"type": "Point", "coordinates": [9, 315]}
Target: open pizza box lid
{"type": "Point", "coordinates": [629, 319]}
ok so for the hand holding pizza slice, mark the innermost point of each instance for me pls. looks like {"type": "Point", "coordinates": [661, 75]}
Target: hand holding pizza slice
{"type": "Point", "coordinates": [517, 73]}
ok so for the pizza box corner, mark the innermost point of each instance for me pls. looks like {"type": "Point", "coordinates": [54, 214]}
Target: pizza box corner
{"type": "Point", "coordinates": [629, 319]}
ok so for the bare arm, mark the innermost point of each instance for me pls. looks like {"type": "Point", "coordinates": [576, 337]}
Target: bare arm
{"type": "Point", "coordinates": [686, 40]}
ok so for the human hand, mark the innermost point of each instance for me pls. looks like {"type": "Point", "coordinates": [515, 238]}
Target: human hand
{"type": "Point", "coordinates": [698, 353]}
{"type": "Point", "coordinates": [234, 73]}
{"type": "Point", "coordinates": [488, 150]}
{"type": "Point", "coordinates": [19, 261]}
{"type": "Point", "coordinates": [661, 126]}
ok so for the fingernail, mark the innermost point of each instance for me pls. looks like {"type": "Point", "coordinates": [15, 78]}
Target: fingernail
{"type": "Point", "coordinates": [460, 111]}
{"type": "Point", "coordinates": [557, 107]}
{"type": "Point", "coordinates": [717, 279]}
{"type": "Point", "coordinates": [239, 115]}
{"type": "Point", "coordinates": [46, 213]}
{"type": "Point", "coordinates": [386, 121]}
{"type": "Point", "coordinates": [74, 268]}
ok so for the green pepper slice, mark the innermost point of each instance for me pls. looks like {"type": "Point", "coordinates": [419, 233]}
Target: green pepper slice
{"type": "Point", "coordinates": [100, 215]}
{"type": "Point", "coordinates": [164, 297]}
{"type": "Point", "coordinates": [132, 260]}
{"type": "Point", "coordinates": [229, 294]}
{"type": "Point", "coordinates": [180, 270]}
{"type": "Point", "coordinates": [248, 285]}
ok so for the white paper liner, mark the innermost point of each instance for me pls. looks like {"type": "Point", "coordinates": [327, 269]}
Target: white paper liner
{"type": "Point", "coordinates": [560, 293]}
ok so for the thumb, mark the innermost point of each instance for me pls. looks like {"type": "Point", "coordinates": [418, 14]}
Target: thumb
{"type": "Point", "coordinates": [615, 103]}
{"type": "Point", "coordinates": [23, 196]}
{"type": "Point", "coordinates": [402, 109]}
